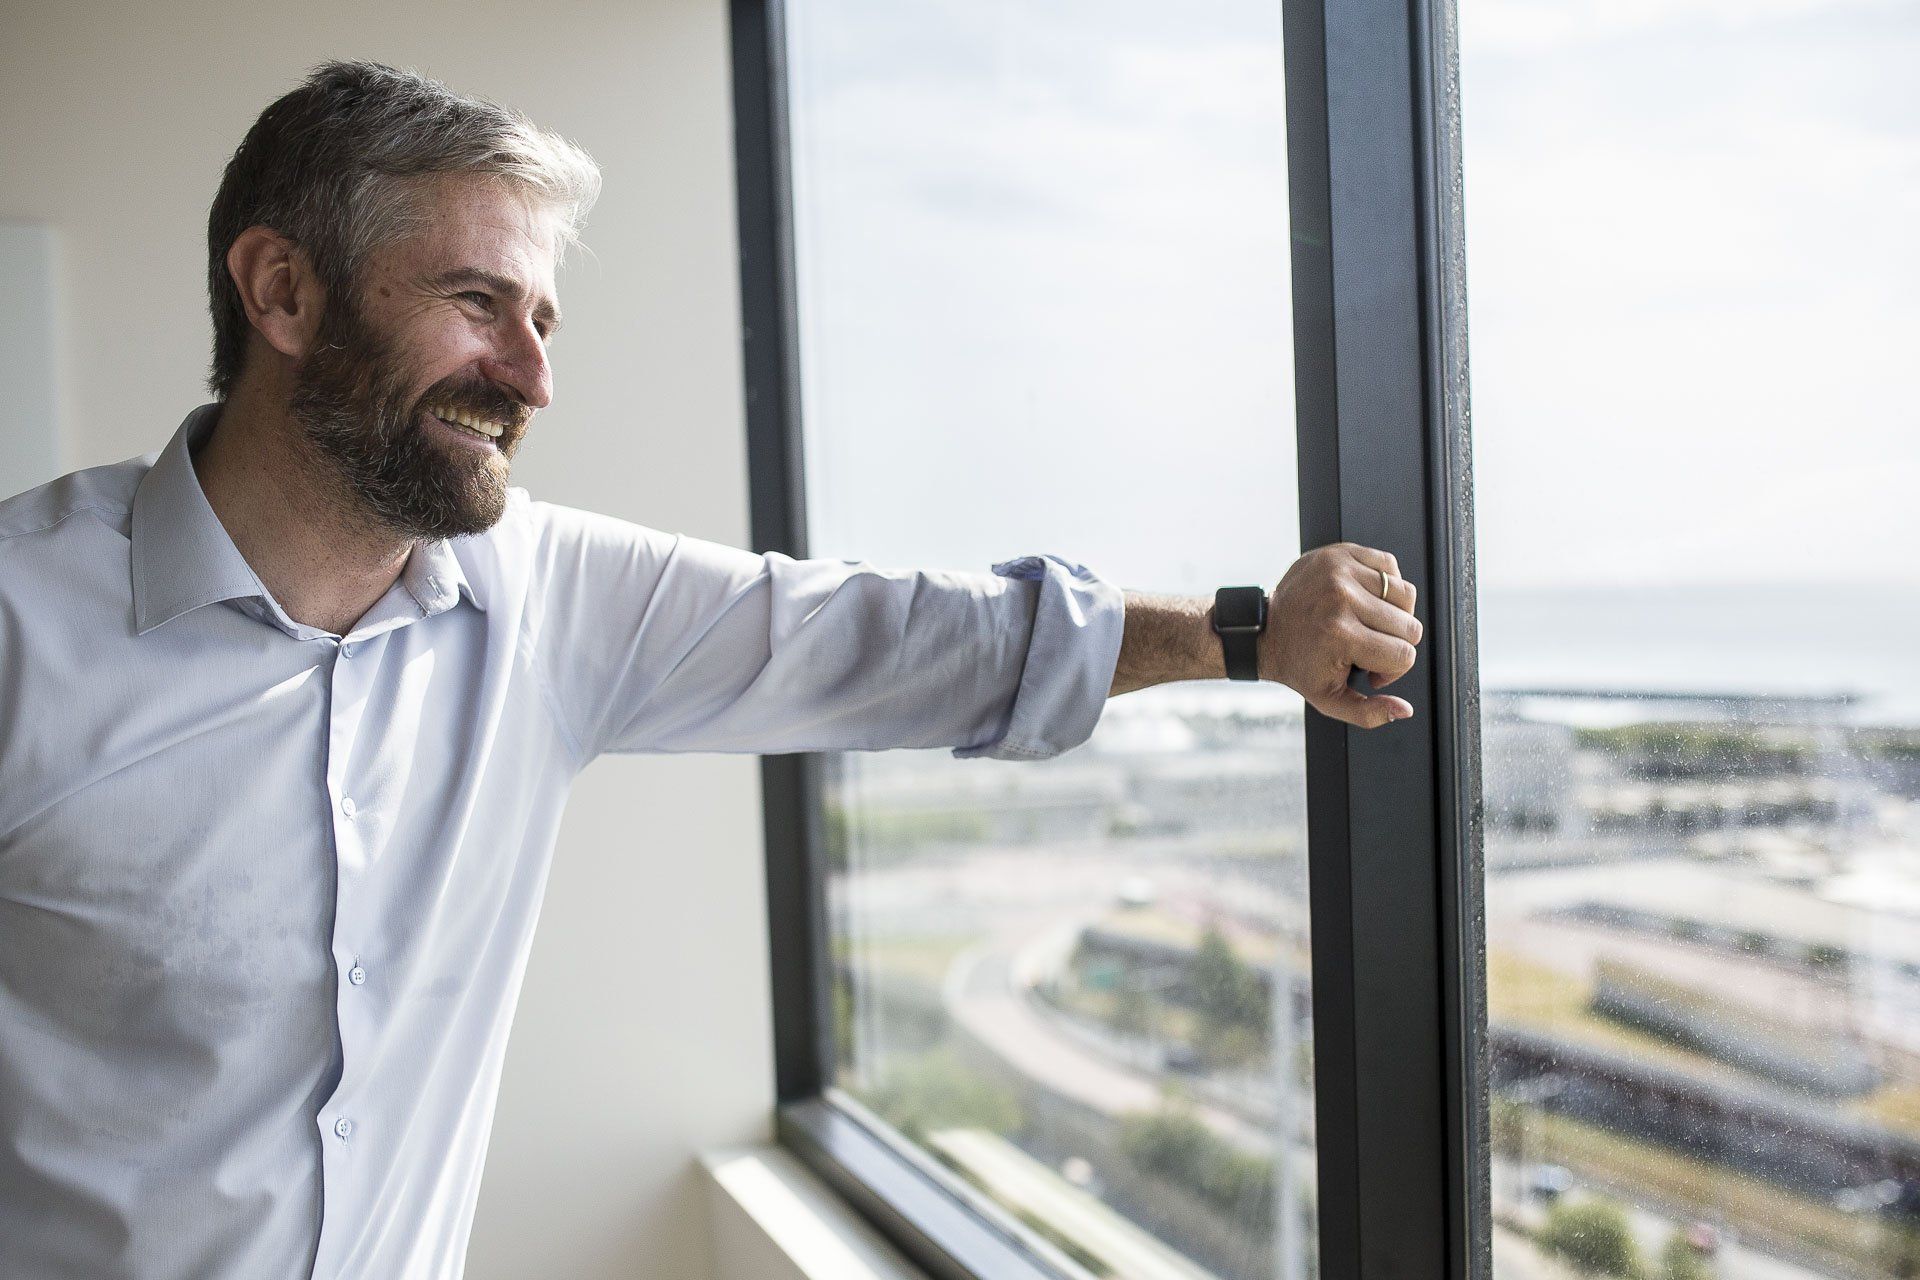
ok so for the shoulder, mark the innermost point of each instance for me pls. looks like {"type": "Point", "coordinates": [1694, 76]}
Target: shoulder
{"type": "Point", "coordinates": [561, 533]}
{"type": "Point", "coordinates": [573, 548]}
{"type": "Point", "coordinates": [539, 549]}
{"type": "Point", "coordinates": [64, 550]}
{"type": "Point", "coordinates": [98, 496]}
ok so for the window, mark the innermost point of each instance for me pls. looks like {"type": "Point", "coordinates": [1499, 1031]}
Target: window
{"type": "Point", "coordinates": [1692, 268]}
{"type": "Point", "coordinates": [1692, 876]}
{"type": "Point", "coordinates": [1040, 253]}
{"type": "Point", "coordinates": [1009, 243]}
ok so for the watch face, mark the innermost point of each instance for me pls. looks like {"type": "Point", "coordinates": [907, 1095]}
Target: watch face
{"type": "Point", "coordinates": [1239, 607]}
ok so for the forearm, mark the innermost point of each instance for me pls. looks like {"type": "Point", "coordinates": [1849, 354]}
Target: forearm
{"type": "Point", "coordinates": [1339, 608]}
{"type": "Point", "coordinates": [1167, 638]}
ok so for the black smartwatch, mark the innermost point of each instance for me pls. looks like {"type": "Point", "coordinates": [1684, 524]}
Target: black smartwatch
{"type": "Point", "coordinates": [1239, 616]}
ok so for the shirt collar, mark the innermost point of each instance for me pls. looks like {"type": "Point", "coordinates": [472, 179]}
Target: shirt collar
{"type": "Point", "coordinates": [182, 557]}
{"type": "Point", "coordinates": [434, 576]}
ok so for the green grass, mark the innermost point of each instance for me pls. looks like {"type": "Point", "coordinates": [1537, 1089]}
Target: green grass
{"type": "Point", "coordinates": [1541, 998]}
{"type": "Point", "coordinates": [1762, 1213]}
{"type": "Point", "coordinates": [1895, 1105]}
{"type": "Point", "coordinates": [923, 958]}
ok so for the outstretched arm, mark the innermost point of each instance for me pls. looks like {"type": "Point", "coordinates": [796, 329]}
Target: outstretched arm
{"type": "Point", "coordinates": [1325, 618]}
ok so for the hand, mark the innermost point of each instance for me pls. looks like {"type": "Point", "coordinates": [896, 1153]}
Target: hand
{"type": "Point", "coordinates": [1327, 617]}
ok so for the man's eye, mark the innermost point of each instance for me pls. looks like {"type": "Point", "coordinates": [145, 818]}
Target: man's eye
{"type": "Point", "coordinates": [478, 299]}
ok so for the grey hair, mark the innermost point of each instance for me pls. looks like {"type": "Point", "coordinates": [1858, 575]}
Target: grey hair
{"type": "Point", "coordinates": [341, 164]}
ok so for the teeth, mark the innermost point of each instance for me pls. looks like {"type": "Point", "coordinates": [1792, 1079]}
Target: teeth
{"type": "Point", "coordinates": [492, 430]}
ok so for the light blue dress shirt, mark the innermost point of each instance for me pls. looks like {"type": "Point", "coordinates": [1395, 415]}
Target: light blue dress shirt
{"type": "Point", "coordinates": [266, 893]}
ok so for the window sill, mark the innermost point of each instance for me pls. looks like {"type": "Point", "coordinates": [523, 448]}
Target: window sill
{"type": "Point", "coordinates": [771, 1218]}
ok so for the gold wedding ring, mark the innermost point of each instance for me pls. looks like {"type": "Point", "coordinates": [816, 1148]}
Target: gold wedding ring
{"type": "Point", "coordinates": [1385, 582]}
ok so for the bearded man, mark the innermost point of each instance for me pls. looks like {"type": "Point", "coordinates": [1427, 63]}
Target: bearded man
{"type": "Point", "coordinates": [289, 709]}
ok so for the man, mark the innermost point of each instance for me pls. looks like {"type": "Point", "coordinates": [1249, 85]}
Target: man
{"type": "Point", "coordinates": [289, 710]}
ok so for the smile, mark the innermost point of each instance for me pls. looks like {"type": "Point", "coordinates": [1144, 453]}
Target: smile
{"type": "Point", "coordinates": [467, 423]}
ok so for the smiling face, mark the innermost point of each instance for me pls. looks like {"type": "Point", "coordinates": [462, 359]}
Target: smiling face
{"type": "Point", "coordinates": [419, 389]}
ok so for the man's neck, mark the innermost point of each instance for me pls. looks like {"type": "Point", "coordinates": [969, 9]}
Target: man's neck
{"type": "Point", "coordinates": [289, 517]}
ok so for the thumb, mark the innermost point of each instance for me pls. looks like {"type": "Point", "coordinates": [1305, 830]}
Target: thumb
{"type": "Point", "coordinates": [1356, 708]}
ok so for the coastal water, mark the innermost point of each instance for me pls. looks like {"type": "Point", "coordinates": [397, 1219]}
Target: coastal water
{"type": "Point", "coordinates": [1749, 640]}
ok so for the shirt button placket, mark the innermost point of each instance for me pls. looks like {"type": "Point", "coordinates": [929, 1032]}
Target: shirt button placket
{"type": "Point", "coordinates": [349, 689]}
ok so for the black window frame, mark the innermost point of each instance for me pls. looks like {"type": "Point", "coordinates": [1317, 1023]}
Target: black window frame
{"type": "Point", "coordinates": [1393, 815]}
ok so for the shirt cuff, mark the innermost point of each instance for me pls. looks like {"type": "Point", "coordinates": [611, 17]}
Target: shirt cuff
{"type": "Point", "coordinates": [1078, 620]}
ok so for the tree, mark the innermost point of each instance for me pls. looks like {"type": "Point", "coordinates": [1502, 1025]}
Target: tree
{"type": "Point", "coordinates": [1226, 991]}
{"type": "Point", "coordinates": [937, 1091]}
{"type": "Point", "coordinates": [1681, 1261]}
{"type": "Point", "coordinates": [1593, 1236]}
{"type": "Point", "coordinates": [1233, 1047]}
{"type": "Point", "coordinates": [1132, 1011]}
{"type": "Point", "coordinates": [1175, 1145]}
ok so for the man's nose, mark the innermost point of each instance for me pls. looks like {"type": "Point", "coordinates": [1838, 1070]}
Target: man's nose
{"type": "Point", "coordinates": [520, 361]}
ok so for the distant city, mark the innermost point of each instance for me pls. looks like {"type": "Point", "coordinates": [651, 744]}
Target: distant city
{"type": "Point", "coordinates": [1084, 984]}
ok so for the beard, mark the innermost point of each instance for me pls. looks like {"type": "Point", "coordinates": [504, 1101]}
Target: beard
{"type": "Point", "coordinates": [351, 404]}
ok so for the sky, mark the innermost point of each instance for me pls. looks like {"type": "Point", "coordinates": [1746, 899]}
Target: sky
{"type": "Point", "coordinates": [1042, 256]}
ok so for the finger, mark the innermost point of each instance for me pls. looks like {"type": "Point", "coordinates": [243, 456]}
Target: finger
{"type": "Point", "coordinates": [1383, 616]}
{"type": "Point", "coordinates": [1358, 709]}
{"type": "Point", "coordinates": [1389, 656]}
{"type": "Point", "coordinates": [1374, 558]}
{"type": "Point", "coordinates": [1399, 592]}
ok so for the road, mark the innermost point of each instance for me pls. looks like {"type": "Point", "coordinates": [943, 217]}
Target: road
{"type": "Point", "coordinates": [988, 991]}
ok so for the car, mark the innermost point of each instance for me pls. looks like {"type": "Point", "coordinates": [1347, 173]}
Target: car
{"type": "Point", "coordinates": [1550, 1181]}
{"type": "Point", "coordinates": [1183, 1058]}
{"type": "Point", "coordinates": [1702, 1237]}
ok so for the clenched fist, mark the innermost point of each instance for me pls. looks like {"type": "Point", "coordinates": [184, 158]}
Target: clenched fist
{"type": "Point", "coordinates": [1328, 616]}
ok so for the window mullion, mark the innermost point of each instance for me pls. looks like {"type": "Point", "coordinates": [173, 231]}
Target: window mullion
{"type": "Point", "coordinates": [790, 784]}
{"type": "Point", "coordinates": [1393, 965]}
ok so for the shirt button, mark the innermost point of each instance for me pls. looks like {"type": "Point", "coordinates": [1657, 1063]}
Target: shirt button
{"type": "Point", "coordinates": [343, 1127]}
{"type": "Point", "coordinates": [348, 650]}
{"type": "Point", "coordinates": [347, 806]}
{"type": "Point", "coordinates": [356, 975]}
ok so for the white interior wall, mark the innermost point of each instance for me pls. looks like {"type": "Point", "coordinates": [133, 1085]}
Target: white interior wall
{"type": "Point", "coordinates": [643, 1031]}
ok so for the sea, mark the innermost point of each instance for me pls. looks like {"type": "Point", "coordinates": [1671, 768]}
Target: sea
{"type": "Point", "coordinates": [1758, 641]}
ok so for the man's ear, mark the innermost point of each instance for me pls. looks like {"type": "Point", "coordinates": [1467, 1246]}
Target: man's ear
{"type": "Point", "coordinates": [282, 295]}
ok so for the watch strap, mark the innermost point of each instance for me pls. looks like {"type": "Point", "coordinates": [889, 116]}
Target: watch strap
{"type": "Point", "coordinates": [1238, 617]}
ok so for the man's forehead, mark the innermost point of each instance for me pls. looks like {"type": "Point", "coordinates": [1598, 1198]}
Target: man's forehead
{"type": "Point", "coordinates": [482, 233]}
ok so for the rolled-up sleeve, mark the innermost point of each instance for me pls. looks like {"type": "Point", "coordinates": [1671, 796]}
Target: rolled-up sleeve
{"type": "Point", "coordinates": [660, 642]}
{"type": "Point", "coordinates": [1073, 645]}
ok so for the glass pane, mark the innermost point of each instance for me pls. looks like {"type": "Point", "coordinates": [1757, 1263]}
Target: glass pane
{"type": "Point", "coordinates": [1692, 262]}
{"type": "Point", "coordinates": [1043, 293]}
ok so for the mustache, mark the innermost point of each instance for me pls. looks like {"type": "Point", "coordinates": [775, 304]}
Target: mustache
{"type": "Point", "coordinates": [482, 400]}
